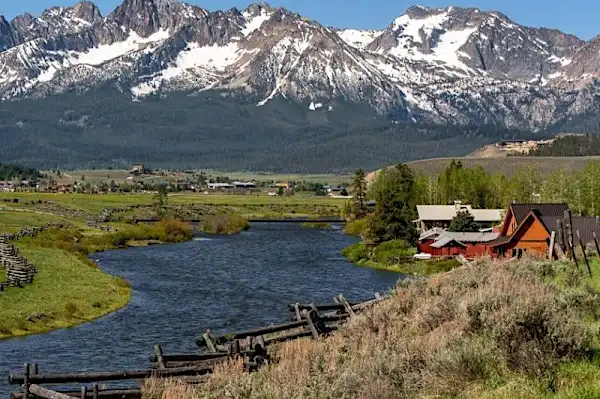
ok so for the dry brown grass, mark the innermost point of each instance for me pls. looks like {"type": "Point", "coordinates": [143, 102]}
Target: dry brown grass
{"type": "Point", "coordinates": [461, 334]}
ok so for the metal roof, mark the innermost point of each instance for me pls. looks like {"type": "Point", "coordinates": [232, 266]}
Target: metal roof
{"type": "Point", "coordinates": [520, 211]}
{"type": "Point", "coordinates": [443, 241]}
{"type": "Point", "coordinates": [448, 212]}
{"type": "Point", "coordinates": [470, 237]}
{"type": "Point", "coordinates": [432, 233]}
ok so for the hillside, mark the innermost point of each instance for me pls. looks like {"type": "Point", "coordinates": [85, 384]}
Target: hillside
{"type": "Point", "coordinates": [209, 131]}
{"type": "Point", "coordinates": [503, 165]}
{"type": "Point", "coordinates": [264, 88]}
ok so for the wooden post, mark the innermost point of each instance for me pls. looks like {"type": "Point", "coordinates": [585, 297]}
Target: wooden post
{"type": "Point", "coordinates": [26, 381]}
{"type": "Point", "coordinates": [260, 345]}
{"type": "Point", "coordinates": [347, 306]}
{"type": "Point", "coordinates": [596, 242]}
{"type": "Point", "coordinates": [159, 356]}
{"type": "Point", "coordinates": [95, 393]}
{"type": "Point", "coordinates": [83, 392]}
{"type": "Point", "coordinates": [235, 347]}
{"type": "Point", "coordinates": [308, 316]}
{"type": "Point", "coordinates": [559, 230]}
{"type": "Point", "coordinates": [551, 247]}
{"type": "Point", "coordinates": [36, 369]}
{"type": "Point", "coordinates": [297, 311]}
{"type": "Point", "coordinates": [249, 342]}
{"type": "Point", "coordinates": [584, 254]}
{"type": "Point", "coordinates": [209, 342]}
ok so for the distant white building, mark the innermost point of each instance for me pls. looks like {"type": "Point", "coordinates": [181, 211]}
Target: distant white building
{"type": "Point", "coordinates": [220, 186]}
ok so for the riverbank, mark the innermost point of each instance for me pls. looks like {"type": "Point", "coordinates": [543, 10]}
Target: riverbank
{"type": "Point", "coordinates": [395, 256]}
{"type": "Point", "coordinates": [525, 329]}
{"type": "Point", "coordinates": [69, 289]}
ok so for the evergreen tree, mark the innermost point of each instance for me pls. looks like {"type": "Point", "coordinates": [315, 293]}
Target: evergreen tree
{"type": "Point", "coordinates": [393, 191]}
{"type": "Point", "coordinates": [463, 222]}
{"type": "Point", "coordinates": [359, 183]}
{"type": "Point", "coordinates": [161, 201]}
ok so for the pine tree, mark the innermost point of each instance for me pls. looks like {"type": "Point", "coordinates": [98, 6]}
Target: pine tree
{"type": "Point", "coordinates": [359, 183]}
{"type": "Point", "coordinates": [393, 191]}
{"type": "Point", "coordinates": [463, 222]}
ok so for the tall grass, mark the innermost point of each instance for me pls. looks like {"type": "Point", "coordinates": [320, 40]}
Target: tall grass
{"type": "Point", "coordinates": [73, 241]}
{"type": "Point", "coordinates": [224, 224]}
{"type": "Point", "coordinates": [494, 330]}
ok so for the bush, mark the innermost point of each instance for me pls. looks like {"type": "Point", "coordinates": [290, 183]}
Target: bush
{"type": "Point", "coordinates": [395, 251]}
{"type": "Point", "coordinates": [224, 224]}
{"type": "Point", "coordinates": [356, 252]}
{"type": "Point", "coordinates": [356, 227]}
{"type": "Point", "coordinates": [71, 309]}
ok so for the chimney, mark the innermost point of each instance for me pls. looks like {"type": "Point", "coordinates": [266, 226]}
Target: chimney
{"type": "Point", "coordinates": [457, 205]}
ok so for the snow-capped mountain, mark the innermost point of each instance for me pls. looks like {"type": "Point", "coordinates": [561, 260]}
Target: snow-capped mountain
{"type": "Point", "coordinates": [442, 65]}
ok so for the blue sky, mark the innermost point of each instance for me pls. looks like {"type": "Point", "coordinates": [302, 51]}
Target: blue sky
{"type": "Point", "coordinates": [579, 17]}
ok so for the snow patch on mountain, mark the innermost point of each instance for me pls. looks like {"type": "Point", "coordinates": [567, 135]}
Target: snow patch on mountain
{"type": "Point", "coordinates": [194, 60]}
{"type": "Point", "coordinates": [358, 38]}
{"type": "Point", "coordinates": [101, 54]}
{"type": "Point", "coordinates": [255, 22]}
{"type": "Point", "coordinates": [412, 27]}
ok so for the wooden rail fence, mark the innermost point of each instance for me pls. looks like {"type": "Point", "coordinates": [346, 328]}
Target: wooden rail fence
{"type": "Point", "coordinates": [253, 346]}
{"type": "Point", "coordinates": [18, 269]}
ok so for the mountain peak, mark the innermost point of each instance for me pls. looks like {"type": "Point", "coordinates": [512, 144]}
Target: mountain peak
{"type": "Point", "coordinates": [87, 11]}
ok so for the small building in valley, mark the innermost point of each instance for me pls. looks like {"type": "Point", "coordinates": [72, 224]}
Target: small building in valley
{"type": "Point", "coordinates": [445, 244]}
{"type": "Point", "coordinates": [528, 228]}
{"type": "Point", "coordinates": [431, 216]}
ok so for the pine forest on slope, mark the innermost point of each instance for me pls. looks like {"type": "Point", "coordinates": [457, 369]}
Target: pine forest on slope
{"type": "Point", "coordinates": [175, 85]}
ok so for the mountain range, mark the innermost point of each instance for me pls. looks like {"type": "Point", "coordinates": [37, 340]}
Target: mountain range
{"type": "Point", "coordinates": [452, 72]}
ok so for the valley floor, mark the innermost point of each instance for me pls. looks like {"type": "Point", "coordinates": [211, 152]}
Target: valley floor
{"type": "Point", "coordinates": [69, 289]}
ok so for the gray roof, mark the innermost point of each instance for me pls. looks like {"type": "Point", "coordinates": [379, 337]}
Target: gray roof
{"type": "Point", "coordinates": [443, 241]}
{"type": "Point", "coordinates": [470, 237]}
{"type": "Point", "coordinates": [446, 237]}
{"type": "Point", "coordinates": [448, 212]}
{"type": "Point", "coordinates": [432, 233]}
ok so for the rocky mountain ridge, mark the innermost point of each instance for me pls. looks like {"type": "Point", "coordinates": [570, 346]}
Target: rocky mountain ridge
{"type": "Point", "coordinates": [431, 65]}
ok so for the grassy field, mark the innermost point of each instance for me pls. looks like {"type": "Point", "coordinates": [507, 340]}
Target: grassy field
{"type": "Point", "coordinates": [507, 165]}
{"type": "Point", "coordinates": [244, 205]}
{"type": "Point", "coordinates": [120, 176]}
{"type": "Point", "coordinates": [12, 221]}
{"type": "Point", "coordinates": [65, 292]}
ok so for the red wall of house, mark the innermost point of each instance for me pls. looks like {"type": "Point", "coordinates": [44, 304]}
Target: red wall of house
{"type": "Point", "coordinates": [471, 251]}
{"type": "Point", "coordinates": [424, 246]}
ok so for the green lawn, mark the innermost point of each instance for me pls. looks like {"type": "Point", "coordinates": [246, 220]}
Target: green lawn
{"type": "Point", "coordinates": [65, 292]}
{"type": "Point", "coordinates": [12, 221]}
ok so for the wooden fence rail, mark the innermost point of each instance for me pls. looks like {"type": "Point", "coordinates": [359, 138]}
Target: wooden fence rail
{"type": "Point", "coordinates": [251, 345]}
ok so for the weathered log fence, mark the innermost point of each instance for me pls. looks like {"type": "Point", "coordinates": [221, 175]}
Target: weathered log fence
{"type": "Point", "coordinates": [19, 271]}
{"type": "Point", "coordinates": [253, 346]}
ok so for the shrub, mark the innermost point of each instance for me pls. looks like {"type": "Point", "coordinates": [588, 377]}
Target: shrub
{"type": "Point", "coordinates": [71, 309]}
{"type": "Point", "coordinates": [356, 252]}
{"type": "Point", "coordinates": [391, 251]}
{"type": "Point", "coordinates": [356, 227]}
{"type": "Point", "coordinates": [224, 224]}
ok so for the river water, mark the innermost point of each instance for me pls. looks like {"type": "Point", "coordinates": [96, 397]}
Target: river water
{"type": "Point", "coordinates": [225, 283]}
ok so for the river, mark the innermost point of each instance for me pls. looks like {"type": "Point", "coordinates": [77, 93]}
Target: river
{"type": "Point", "coordinates": [225, 283]}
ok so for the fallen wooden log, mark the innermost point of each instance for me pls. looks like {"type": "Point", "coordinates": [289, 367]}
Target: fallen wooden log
{"type": "Point", "coordinates": [134, 393]}
{"type": "Point", "coordinates": [46, 393]}
{"type": "Point", "coordinates": [91, 376]}
{"type": "Point", "coordinates": [337, 306]}
{"type": "Point", "coordinates": [184, 357]}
